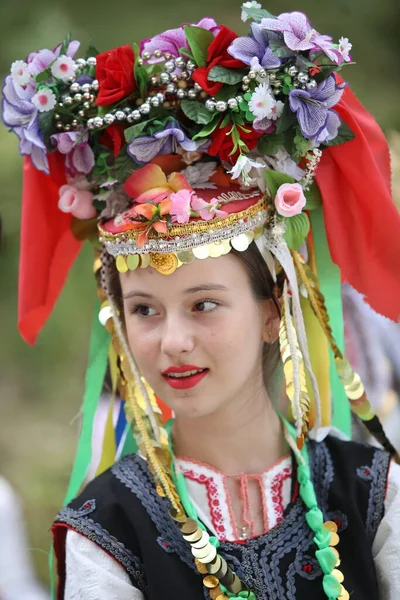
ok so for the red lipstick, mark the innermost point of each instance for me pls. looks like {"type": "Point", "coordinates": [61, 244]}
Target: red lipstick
{"type": "Point", "coordinates": [187, 376]}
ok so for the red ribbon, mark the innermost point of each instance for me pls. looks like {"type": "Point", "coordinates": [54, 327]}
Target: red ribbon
{"type": "Point", "coordinates": [48, 247]}
{"type": "Point", "coordinates": [361, 219]}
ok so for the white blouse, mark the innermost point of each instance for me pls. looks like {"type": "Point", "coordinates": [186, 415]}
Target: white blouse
{"type": "Point", "coordinates": [94, 575]}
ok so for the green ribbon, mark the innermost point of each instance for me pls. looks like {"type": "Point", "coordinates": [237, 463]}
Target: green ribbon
{"type": "Point", "coordinates": [330, 284]}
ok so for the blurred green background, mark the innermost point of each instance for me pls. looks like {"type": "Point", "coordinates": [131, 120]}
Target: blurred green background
{"type": "Point", "coordinates": [41, 388]}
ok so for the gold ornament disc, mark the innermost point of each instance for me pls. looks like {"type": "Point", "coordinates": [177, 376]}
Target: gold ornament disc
{"type": "Point", "coordinates": [334, 539]}
{"type": "Point", "coordinates": [201, 252]}
{"type": "Point", "coordinates": [331, 526]}
{"type": "Point", "coordinates": [165, 264]}
{"type": "Point", "coordinates": [338, 574]}
{"type": "Point", "coordinates": [145, 261]}
{"type": "Point", "coordinates": [120, 263]}
{"type": "Point", "coordinates": [132, 261]}
{"type": "Point", "coordinates": [185, 256]}
{"type": "Point", "coordinates": [210, 581]}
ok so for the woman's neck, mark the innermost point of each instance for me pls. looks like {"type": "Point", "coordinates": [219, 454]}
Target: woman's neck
{"type": "Point", "coordinates": [245, 437]}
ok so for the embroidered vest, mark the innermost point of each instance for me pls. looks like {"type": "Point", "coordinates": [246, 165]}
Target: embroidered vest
{"type": "Point", "coordinates": [121, 512]}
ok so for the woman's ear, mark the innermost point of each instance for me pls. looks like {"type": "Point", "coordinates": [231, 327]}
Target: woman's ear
{"type": "Point", "coordinates": [271, 321]}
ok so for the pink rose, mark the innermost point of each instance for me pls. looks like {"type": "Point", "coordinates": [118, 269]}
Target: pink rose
{"type": "Point", "coordinates": [76, 201]}
{"type": "Point", "coordinates": [290, 199]}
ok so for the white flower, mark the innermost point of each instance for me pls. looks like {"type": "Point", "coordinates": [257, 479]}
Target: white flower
{"type": "Point", "coordinates": [63, 68]}
{"type": "Point", "coordinates": [344, 48]}
{"type": "Point", "coordinates": [262, 102]}
{"type": "Point", "coordinates": [276, 110]}
{"type": "Point", "coordinates": [242, 168]}
{"type": "Point", "coordinates": [199, 174]}
{"type": "Point", "coordinates": [44, 100]}
{"type": "Point", "coordinates": [253, 4]}
{"type": "Point", "coordinates": [282, 162]}
{"type": "Point", "coordinates": [20, 72]}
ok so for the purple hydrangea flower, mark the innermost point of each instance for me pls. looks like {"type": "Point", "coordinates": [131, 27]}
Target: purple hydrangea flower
{"type": "Point", "coordinates": [312, 107]}
{"type": "Point", "coordinates": [174, 39]}
{"type": "Point", "coordinates": [296, 28]}
{"type": "Point", "coordinates": [79, 157]}
{"type": "Point", "coordinates": [144, 149]}
{"type": "Point", "coordinates": [20, 114]}
{"type": "Point", "coordinates": [247, 48]}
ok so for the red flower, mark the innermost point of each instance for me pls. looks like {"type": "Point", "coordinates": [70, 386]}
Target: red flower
{"type": "Point", "coordinates": [114, 72]}
{"type": "Point", "coordinates": [222, 143]}
{"type": "Point", "coordinates": [217, 55]}
{"type": "Point", "coordinates": [113, 137]}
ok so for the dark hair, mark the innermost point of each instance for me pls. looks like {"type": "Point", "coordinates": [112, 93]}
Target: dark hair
{"type": "Point", "coordinates": [263, 288]}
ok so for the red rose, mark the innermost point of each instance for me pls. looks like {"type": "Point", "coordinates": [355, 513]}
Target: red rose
{"type": "Point", "coordinates": [113, 137]}
{"type": "Point", "coordinates": [222, 144]}
{"type": "Point", "coordinates": [114, 72]}
{"type": "Point", "coordinates": [217, 55]}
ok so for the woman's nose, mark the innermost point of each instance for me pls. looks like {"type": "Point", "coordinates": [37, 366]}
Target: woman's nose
{"type": "Point", "coordinates": [176, 336]}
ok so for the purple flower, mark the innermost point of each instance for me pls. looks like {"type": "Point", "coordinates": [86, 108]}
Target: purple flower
{"type": "Point", "coordinates": [20, 114]}
{"type": "Point", "coordinates": [79, 155]}
{"type": "Point", "coordinates": [174, 39]}
{"type": "Point", "coordinates": [247, 48]}
{"type": "Point", "coordinates": [40, 60]}
{"type": "Point", "coordinates": [167, 141]}
{"type": "Point", "coordinates": [296, 28]}
{"type": "Point", "coordinates": [326, 46]}
{"type": "Point", "coordinates": [315, 118]}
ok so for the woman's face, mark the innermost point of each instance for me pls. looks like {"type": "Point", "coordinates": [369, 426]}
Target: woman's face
{"type": "Point", "coordinates": [197, 335]}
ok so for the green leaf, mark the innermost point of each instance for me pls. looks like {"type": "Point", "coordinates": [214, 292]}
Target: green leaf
{"type": "Point", "coordinates": [302, 145]}
{"type": "Point", "coordinates": [286, 120]}
{"type": "Point", "coordinates": [344, 135]}
{"type": "Point", "coordinates": [324, 73]}
{"type": "Point", "coordinates": [46, 124]}
{"type": "Point", "coordinates": [224, 75]}
{"type": "Point", "coordinates": [196, 111]}
{"type": "Point", "coordinates": [65, 44]}
{"type": "Point", "coordinates": [275, 179]}
{"type": "Point", "coordinates": [313, 196]}
{"type": "Point", "coordinates": [207, 129]}
{"type": "Point", "coordinates": [227, 91]}
{"type": "Point", "coordinates": [270, 143]}
{"type": "Point", "coordinates": [288, 141]}
{"type": "Point", "coordinates": [140, 73]}
{"type": "Point", "coordinates": [199, 40]}
{"type": "Point", "coordinates": [185, 52]}
{"type": "Point", "coordinates": [123, 166]}
{"type": "Point", "coordinates": [279, 48]}
{"type": "Point", "coordinates": [43, 75]}
{"type": "Point", "coordinates": [92, 51]}
{"type": "Point", "coordinates": [135, 130]}
{"type": "Point", "coordinates": [225, 121]}
{"type": "Point", "coordinates": [257, 14]}
{"type": "Point", "coordinates": [297, 229]}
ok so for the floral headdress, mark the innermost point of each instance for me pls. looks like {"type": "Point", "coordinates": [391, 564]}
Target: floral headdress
{"type": "Point", "coordinates": [191, 144]}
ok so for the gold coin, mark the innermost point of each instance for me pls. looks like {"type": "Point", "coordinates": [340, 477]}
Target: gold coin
{"type": "Point", "coordinates": [210, 581]}
{"type": "Point", "coordinates": [185, 256]}
{"type": "Point", "coordinates": [214, 567]}
{"type": "Point", "coordinates": [338, 574]}
{"type": "Point", "coordinates": [178, 515]}
{"type": "Point", "coordinates": [240, 242]}
{"type": "Point", "coordinates": [334, 539]}
{"type": "Point", "coordinates": [132, 261]}
{"type": "Point", "coordinates": [188, 527]}
{"type": "Point", "coordinates": [236, 586]}
{"type": "Point", "coordinates": [226, 247]}
{"type": "Point", "coordinates": [250, 236]}
{"type": "Point", "coordinates": [344, 594]}
{"type": "Point", "coordinates": [145, 261]}
{"type": "Point", "coordinates": [215, 593]}
{"type": "Point", "coordinates": [355, 394]}
{"type": "Point", "coordinates": [120, 263]}
{"type": "Point", "coordinates": [201, 553]}
{"type": "Point", "coordinates": [200, 567]}
{"type": "Point", "coordinates": [210, 556]}
{"type": "Point", "coordinates": [216, 249]}
{"type": "Point", "coordinates": [201, 252]}
{"type": "Point", "coordinates": [165, 264]}
{"type": "Point", "coordinates": [194, 537]}
{"type": "Point", "coordinates": [331, 526]}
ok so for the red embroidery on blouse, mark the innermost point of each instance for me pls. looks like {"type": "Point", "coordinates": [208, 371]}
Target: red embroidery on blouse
{"type": "Point", "coordinates": [276, 492]}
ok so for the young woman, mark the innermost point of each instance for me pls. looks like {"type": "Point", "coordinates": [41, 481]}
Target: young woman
{"type": "Point", "coordinates": [200, 157]}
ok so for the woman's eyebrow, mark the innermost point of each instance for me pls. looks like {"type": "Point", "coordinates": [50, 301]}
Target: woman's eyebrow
{"type": "Point", "coordinates": [206, 287]}
{"type": "Point", "coordinates": [136, 293]}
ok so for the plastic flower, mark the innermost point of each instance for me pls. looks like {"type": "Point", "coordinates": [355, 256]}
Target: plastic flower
{"type": "Point", "coordinates": [114, 72]}
{"type": "Point", "coordinates": [79, 155]}
{"type": "Point", "coordinates": [290, 199]}
{"type": "Point", "coordinates": [76, 199]}
{"type": "Point", "coordinates": [247, 48]}
{"type": "Point", "coordinates": [262, 102]}
{"type": "Point", "coordinates": [296, 28]}
{"type": "Point", "coordinates": [20, 114]}
{"type": "Point", "coordinates": [252, 4]}
{"type": "Point", "coordinates": [281, 161]}
{"type": "Point", "coordinates": [20, 72]}
{"type": "Point", "coordinates": [63, 68]}
{"type": "Point", "coordinates": [198, 175]}
{"type": "Point", "coordinates": [344, 48]}
{"type": "Point", "coordinates": [313, 109]}
{"type": "Point", "coordinates": [150, 184]}
{"type": "Point", "coordinates": [44, 100]}
{"type": "Point", "coordinates": [153, 213]}
{"type": "Point", "coordinates": [173, 39]}
{"type": "Point", "coordinates": [242, 168]}
{"type": "Point", "coordinates": [326, 46]}
{"type": "Point", "coordinates": [167, 141]}
{"type": "Point", "coordinates": [40, 60]}
{"type": "Point", "coordinates": [207, 210]}
{"type": "Point", "coordinates": [180, 210]}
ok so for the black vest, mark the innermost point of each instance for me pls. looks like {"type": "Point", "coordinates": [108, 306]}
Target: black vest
{"type": "Point", "coordinates": [121, 512]}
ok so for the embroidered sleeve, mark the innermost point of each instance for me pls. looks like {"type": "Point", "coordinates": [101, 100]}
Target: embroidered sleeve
{"type": "Point", "coordinates": [386, 546]}
{"type": "Point", "coordinates": [92, 574]}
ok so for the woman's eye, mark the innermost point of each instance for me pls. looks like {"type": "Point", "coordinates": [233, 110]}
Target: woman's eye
{"type": "Point", "coordinates": [143, 310]}
{"type": "Point", "coordinates": [206, 305]}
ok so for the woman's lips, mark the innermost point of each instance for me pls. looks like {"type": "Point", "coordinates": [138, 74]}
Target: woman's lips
{"type": "Point", "coordinates": [184, 382]}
